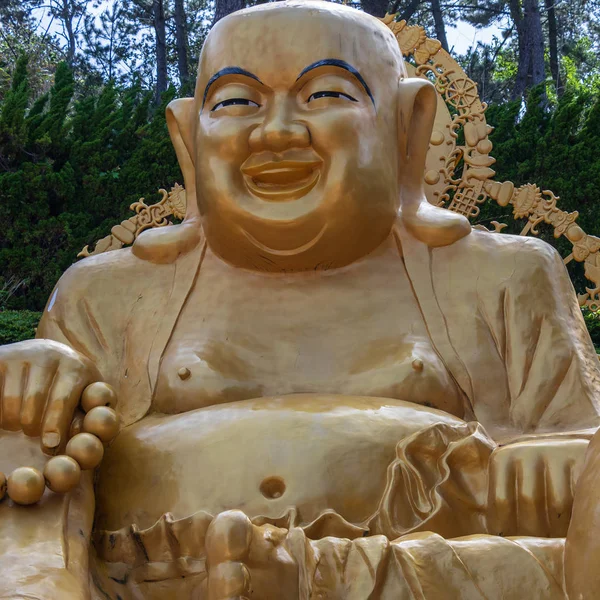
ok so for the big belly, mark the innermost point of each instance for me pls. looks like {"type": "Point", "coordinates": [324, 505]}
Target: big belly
{"type": "Point", "coordinates": [308, 451]}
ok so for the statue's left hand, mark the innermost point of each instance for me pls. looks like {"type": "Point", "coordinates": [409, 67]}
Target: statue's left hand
{"type": "Point", "coordinates": [532, 484]}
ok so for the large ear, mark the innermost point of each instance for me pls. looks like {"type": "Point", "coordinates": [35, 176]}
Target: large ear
{"type": "Point", "coordinates": [417, 104]}
{"type": "Point", "coordinates": [165, 244]}
{"type": "Point", "coordinates": [180, 121]}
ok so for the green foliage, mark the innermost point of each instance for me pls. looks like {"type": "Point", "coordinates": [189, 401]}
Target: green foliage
{"type": "Point", "coordinates": [69, 169]}
{"type": "Point", "coordinates": [557, 149]}
{"type": "Point", "coordinates": [592, 321]}
{"type": "Point", "coordinates": [17, 325]}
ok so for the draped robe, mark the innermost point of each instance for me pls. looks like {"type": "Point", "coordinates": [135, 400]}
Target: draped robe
{"type": "Point", "coordinates": [500, 311]}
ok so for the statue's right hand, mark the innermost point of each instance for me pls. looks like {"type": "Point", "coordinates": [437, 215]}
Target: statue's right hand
{"type": "Point", "coordinates": [41, 382]}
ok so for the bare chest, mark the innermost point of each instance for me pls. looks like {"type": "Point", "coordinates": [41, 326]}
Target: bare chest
{"type": "Point", "coordinates": [244, 335]}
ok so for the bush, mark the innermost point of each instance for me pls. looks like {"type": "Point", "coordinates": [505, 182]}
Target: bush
{"type": "Point", "coordinates": [17, 325]}
{"type": "Point", "coordinates": [592, 320]}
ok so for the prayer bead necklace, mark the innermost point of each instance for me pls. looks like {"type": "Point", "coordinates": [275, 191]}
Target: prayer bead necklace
{"type": "Point", "coordinates": [84, 451]}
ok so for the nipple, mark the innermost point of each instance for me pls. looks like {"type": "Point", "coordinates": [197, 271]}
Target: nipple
{"type": "Point", "coordinates": [417, 365]}
{"type": "Point", "coordinates": [184, 373]}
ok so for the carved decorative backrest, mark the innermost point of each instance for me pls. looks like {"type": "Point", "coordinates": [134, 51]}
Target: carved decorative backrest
{"type": "Point", "coordinates": [458, 176]}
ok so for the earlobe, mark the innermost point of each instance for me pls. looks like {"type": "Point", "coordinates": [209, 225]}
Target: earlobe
{"type": "Point", "coordinates": [180, 122]}
{"type": "Point", "coordinates": [417, 104]}
{"type": "Point", "coordinates": [165, 244]}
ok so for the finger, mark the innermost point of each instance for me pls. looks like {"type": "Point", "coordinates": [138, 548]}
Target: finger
{"type": "Point", "coordinates": [501, 520]}
{"type": "Point", "coordinates": [64, 397]}
{"type": "Point", "coordinates": [77, 423]}
{"type": "Point", "coordinates": [12, 390]}
{"type": "Point", "coordinates": [37, 387]}
{"type": "Point", "coordinates": [531, 506]}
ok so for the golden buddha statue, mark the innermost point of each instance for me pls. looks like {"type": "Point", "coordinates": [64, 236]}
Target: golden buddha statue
{"type": "Point", "coordinates": [327, 387]}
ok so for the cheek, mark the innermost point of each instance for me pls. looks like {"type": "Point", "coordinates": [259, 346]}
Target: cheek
{"type": "Point", "coordinates": [356, 147]}
{"type": "Point", "coordinates": [337, 131]}
{"type": "Point", "coordinates": [225, 139]}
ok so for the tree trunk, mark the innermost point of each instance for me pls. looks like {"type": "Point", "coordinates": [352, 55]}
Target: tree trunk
{"type": "Point", "coordinates": [553, 45]}
{"type": "Point", "coordinates": [226, 7]}
{"type": "Point", "coordinates": [440, 27]}
{"type": "Point", "coordinates": [523, 58]}
{"type": "Point", "coordinates": [531, 68]}
{"type": "Point", "coordinates": [408, 11]}
{"type": "Point", "coordinates": [377, 8]}
{"type": "Point", "coordinates": [535, 41]}
{"type": "Point", "coordinates": [67, 15]}
{"type": "Point", "coordinates": [181, 42]}
{"type": "Point", "coordinates": [160, 34]}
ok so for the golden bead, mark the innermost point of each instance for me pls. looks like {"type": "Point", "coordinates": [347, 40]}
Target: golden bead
{"type": "Point", "coordinates": [86, 449]}
{"type": "Point", "coordinates": [98, 394]}
{"type": "Point", "coordinates": [25, 485]}
{"type": "Point", "coordinates": [2, 485]}
{"type": "Point", "coordinates": [103, 422]}
{"type": "Point", "coordinates": [62, 474]}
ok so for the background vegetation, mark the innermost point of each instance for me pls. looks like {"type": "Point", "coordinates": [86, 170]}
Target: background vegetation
{"type": "Point", "coordinates": [83, 87]}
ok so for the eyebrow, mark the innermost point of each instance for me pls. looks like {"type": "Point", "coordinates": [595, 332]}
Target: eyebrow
{"type": "Point", "coordinates": [342, 64]}
{"type": "Point", "coordinates": [227, 71]}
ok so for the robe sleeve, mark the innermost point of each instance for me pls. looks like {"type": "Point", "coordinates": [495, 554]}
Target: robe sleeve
{"type": "Point", "coordinates": [73, 316]}
{"type": "Point", "coordinates": [553, 372]}
{"type": "Point", "coordinates": [110, 308]}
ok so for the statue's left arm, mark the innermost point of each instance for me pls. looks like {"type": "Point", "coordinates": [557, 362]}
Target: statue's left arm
{"type": "Point", "coordinates": [553, 373]}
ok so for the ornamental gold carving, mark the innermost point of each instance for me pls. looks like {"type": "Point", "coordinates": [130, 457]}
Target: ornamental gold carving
{"type": "Point", "coordinates": [171, 205]}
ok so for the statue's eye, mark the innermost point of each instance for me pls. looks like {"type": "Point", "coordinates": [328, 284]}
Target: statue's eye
{"type": "Point", "coordinates": [328, 94]}
{"type": "Point", "coordinates": [234, 102]}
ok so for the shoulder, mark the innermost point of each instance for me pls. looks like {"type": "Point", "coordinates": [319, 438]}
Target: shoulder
{"type": "Point", "coordinates": [507, 256]}
{"type": "Point", "coordinates": [116, 277]}
{"type": "Point", "coordinates": [108, 268]}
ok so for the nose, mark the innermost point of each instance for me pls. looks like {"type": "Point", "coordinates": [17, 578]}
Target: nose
{"type": "Point", "coordinates": [279, 131]}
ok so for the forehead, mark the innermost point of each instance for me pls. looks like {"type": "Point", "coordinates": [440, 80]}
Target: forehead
{"type": "Point", "coordinates": [277, 42]}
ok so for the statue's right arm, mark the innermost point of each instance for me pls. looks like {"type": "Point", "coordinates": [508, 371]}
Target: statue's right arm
{"type": "Point", "coordinates": [44, 547]}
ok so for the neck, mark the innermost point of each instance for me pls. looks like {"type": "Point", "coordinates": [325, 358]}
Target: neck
{"type": "Point", "coordinates": [327, 250]}
{"type": "Point", "coordinates": [388, 250]}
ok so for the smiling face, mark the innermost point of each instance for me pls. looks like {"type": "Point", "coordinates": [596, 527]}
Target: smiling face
{"type": "Point", "coordinates": [296, 144]}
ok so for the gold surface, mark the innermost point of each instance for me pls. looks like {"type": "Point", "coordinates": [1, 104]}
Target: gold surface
{"type": "Point", "coordinates": [328, 386]}
{"type": "Point", "coordinates": [103, 422]}
{"type": "Point", "coordinates": [25, 485]}
{"type": "Point", "coordinates": [62, 474]}
{"type": "Point", "coordinates": [98, 394]}
{"type": "Point", "coordinates": [86, 449]}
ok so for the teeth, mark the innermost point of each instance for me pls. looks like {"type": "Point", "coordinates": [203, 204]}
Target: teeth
{"type": "Point", "coordinates": [280, 185]}
{"type": "Point", "coordinates": [282, 176]}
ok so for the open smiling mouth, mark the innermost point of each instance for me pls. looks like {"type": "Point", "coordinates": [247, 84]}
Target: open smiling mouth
{"type": "Point", "coordinates": [281, 180]}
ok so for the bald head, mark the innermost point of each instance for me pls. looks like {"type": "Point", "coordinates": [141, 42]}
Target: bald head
{"type": "Point", "coordinates": [296, 139]}
{"type": "Point", "coordinates": [281, 39]}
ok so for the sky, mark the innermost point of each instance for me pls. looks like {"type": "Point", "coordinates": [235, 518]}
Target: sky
{"type": "Point", "coordinates": [461, 36]}
{"type": "Point", "coordinates": [464, 36]}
